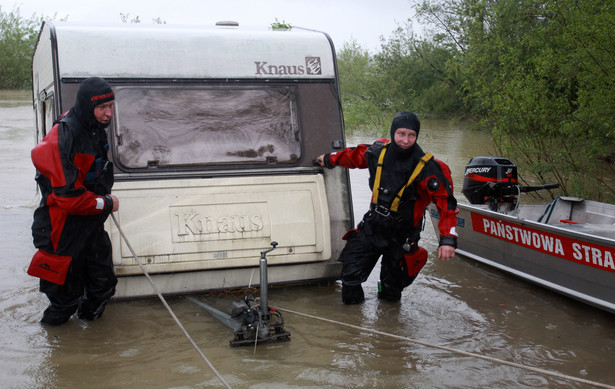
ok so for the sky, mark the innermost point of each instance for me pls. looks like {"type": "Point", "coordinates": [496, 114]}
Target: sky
{"type": "Point", "coordinates": [365, 21]}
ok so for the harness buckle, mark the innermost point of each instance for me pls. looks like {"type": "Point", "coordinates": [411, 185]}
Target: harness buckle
{"type": "Point", "coordinates": [382, 210]}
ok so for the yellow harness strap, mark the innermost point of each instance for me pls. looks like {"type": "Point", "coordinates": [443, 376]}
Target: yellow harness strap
{"type": "Point", "coordinates": [415, 174]}
{"type": "Point", "coordinates": [378, 174]}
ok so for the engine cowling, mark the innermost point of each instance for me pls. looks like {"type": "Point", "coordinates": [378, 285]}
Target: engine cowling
{"type": "Point", "coordinates": [490, 179]}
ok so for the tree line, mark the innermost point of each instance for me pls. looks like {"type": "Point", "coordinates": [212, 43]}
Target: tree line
{"type": "Point", "coordinates": [539, 75]}
{"type": "Point", "coordinates": [17, 40]}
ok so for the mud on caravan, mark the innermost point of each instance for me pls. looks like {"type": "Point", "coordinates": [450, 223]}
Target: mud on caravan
{"type": "Point", "coordinates": [213, 138]}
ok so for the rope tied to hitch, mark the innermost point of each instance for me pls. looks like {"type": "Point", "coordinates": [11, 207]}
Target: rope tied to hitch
{"type": "Point", "coordinates": [166, 305]}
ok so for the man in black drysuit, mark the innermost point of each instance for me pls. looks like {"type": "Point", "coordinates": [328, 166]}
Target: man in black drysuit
{"type": "Point", "coordinates": [75, 179]}
{"type": "Point", "coordinates": [404, 180]}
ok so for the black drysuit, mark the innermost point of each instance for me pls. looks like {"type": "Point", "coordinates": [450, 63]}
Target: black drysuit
{"type": "Point", "coordinates": [384, 231]}
{"type": "Point", "coordinates": [74, 175]}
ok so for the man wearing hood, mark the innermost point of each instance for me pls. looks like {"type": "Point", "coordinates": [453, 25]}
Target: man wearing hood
{"type": "Point", "coordinates": [75, 178]}
{"type": "Point", "coordinates": [403, 180]}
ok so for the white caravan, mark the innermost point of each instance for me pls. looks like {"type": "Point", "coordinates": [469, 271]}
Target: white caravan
{"type": "Point", "coordinates": [213, 139]}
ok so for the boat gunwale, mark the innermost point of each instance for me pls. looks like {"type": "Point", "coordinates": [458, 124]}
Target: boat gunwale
{"type": "Point", "coordinates": [559, 229]}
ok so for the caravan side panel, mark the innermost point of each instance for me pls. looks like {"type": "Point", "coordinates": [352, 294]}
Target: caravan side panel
{"type": "Point", "coordinates": [44, 83]}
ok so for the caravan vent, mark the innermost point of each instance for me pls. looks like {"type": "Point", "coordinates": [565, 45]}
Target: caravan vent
{"type": "Point", "coordinates": [228, 23]}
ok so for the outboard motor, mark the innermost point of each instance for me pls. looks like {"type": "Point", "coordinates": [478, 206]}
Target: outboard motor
{"type": "Point", "coordinates": [493, 181]}
{"type": "Point", "coordinates": [490, 180]}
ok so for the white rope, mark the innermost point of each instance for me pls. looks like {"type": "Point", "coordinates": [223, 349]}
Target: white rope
{"type": "Point", "coordinates": [495, 360]}
{"type": "Point", "coordinates": [164, 302]}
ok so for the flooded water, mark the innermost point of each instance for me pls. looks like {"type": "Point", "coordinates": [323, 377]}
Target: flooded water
{"type": "Point", "coordinates": [457, 304]}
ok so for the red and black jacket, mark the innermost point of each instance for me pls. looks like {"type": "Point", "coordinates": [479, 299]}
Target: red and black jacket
{"type": "Point", "coordinates": [433, 184]}
{"type": "Point", "coordinates": [74, 175]}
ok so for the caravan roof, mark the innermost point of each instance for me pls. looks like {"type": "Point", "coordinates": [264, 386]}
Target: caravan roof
{"type": "Point", "coordinates": [189, 52]}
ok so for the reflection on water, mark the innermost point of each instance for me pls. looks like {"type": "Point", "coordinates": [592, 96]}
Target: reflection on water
{"type": "Point", "coordinates": [458, 304]}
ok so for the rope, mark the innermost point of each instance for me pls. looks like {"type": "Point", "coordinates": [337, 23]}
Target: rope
{"type": "Point", "coordinates": [426, 344]}
{"type": "Point", "coordinates": [469, 354]}
{"type": "Point", "coordinates": [164, 302]}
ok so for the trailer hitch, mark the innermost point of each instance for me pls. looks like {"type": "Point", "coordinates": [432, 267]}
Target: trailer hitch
{"type": "Point", "coordinates": [252, 320]}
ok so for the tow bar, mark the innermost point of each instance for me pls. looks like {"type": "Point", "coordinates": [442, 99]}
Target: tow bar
{"type": "Point", "coordinates": [252, 321]}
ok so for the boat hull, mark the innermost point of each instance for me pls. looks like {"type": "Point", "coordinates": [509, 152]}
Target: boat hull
{"type": "Point", "coordinates": [570, 262]}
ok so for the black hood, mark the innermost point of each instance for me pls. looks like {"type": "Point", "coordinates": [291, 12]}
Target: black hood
{"type": "Point", "coordinates": [93, 91]}
{"type": "Point", "coordinates": [407, 120]}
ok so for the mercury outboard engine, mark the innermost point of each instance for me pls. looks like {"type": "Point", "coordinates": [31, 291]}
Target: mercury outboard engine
{"type": "Point", "coordinates": [490, 180]}
{"type": "Point", "coordinates": [493, 181]}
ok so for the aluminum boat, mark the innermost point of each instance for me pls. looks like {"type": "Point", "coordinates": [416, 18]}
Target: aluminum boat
{"type": "Point", "coordinates": [567, 246]}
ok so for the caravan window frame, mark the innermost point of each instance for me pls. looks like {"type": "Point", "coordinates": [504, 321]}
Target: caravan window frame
{"type": "Point", "coordinates": [250, 124]}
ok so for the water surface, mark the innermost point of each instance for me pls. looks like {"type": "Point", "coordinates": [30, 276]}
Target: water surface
{"type": "Point", "coordinates": [457, 304]}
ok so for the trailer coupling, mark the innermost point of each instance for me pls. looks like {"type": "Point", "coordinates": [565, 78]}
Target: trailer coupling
{"type": "Point", "coordinates": [252, 320]}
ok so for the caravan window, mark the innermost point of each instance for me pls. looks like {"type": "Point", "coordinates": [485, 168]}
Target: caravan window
{"type": "Point", "coordinates": [173, 126]}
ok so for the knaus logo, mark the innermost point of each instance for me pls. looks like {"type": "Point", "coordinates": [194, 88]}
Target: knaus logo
{"type": "Point", "coordinates": [222, 221]}
{"type": "Point", "coordinates": [312, 67]}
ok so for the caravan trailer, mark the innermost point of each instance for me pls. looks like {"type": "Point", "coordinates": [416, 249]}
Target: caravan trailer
{"type": "Point", "coordinates": [213, 140]}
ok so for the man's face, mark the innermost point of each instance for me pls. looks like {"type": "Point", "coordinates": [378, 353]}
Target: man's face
{"type": "Point", "coordinates": [104, 112]}
{"type": "Point", "coordinates": [405, 138]}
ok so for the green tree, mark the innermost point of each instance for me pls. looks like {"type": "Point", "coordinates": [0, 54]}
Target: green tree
{"type": "Point", "coordinates": [407, 74]}
{"type": "Point", "coordinates": [418, 74]}
{"type": "Point", "coordinates": [17, 40]}
{"type": "Point", "coordinates": [364, 100]}
{"type": "Point", "coordinates": [541, 75]}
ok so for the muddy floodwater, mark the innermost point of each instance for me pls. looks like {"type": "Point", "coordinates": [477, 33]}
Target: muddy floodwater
{"type": "Point", "coordinates": [456, 311]}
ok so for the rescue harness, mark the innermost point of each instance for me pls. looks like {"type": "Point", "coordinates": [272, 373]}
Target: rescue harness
{"type": "Point", "coordinates": [381, 209]}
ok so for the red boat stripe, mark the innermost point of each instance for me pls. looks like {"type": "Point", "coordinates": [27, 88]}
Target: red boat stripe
{"type": "Point", "coordinates": [586, 253]}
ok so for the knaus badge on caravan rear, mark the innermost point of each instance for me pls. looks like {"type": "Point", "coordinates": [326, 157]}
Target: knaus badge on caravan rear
{"type": "Point", "coordinates": [312, 66]}
{"type": "Point", "coordinates": [220, 222]}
